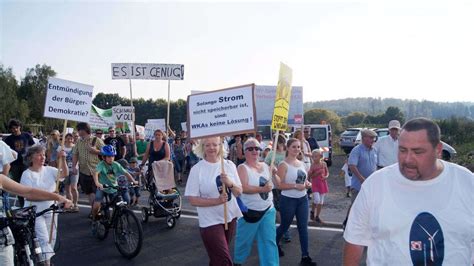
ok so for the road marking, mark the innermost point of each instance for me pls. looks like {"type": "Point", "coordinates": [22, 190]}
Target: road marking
{"type": "Point", "coordinates": [292, 226]}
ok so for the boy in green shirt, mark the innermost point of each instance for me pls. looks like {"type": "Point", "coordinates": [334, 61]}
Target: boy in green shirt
{"type": "Point", "coordinates": [106, 173]}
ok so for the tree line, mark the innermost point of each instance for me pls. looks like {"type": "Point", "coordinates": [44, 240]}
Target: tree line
{"type": "Point", "coordinates": [25, 100]}
{"type": "Point", "coordinates": [410, 108]}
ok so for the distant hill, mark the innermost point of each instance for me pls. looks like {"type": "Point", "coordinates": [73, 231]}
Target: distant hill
{"type": "Point", "coordinates": [411, 108]}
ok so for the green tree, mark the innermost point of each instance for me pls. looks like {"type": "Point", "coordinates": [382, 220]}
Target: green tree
{"type": "Point", "coordinates": [355, 118]}
{"type": "Point", "coordinates": [317, 116]}
{"type": "Point", "coordinates": [393, 113]}
{"type": "Point", "coordinates": [10, 105]}
{"type": "Point", "coordinates": [109, 100]}
{"type": "Point", "coordinates": [33, 91]}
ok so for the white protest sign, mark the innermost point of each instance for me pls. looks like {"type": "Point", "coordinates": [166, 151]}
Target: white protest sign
{"type": "Point", "coordinates": [157, 121]}
{"type": "Point", "coordinates": [69, 130]}
{"type": "Point", "coordinates": [122, 113]}
{"type": "Point", "coordinates": [222, 112]}
{"type": "Point", "coordinates": [265, 97]}
{"type": "Point", "coordinates": [147, 71]}
{"type": "Point", "coordinates": [140, 129]}
{"type": "Point", "coordinates": [183, 126]}
{"type": "Point", "coordinates": [152, 125]}
{"type": "Point", "coordinates": [68, 100]}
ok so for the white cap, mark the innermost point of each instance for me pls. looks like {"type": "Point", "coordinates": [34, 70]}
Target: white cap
{"type": "Point", "coordinates": [394, 124]}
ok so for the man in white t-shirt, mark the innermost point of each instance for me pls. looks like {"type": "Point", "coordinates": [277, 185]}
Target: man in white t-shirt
{"type": "Point", "coordinates": [387, 146]}
{"type": "Point", "coordinates": [417, 212]}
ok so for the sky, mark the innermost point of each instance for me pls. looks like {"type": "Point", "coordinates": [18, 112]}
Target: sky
{"type": "Point", "coordinates": [407, 49]}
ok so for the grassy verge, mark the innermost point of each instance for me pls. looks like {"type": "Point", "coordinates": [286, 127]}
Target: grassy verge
{"type": "Point", "coordinates": [465, 155]}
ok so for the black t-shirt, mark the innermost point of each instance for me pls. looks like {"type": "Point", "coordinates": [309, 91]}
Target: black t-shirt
{"type": "Point", "coordinates": [19, 144]}
{"type": "Point", "coordinates": [118, 143]}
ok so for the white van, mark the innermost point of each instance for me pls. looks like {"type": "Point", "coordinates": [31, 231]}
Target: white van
{"type": "Point", "coordinates": [323, 135]}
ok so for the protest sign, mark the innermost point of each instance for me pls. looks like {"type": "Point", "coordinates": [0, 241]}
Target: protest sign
{"type": "Point", "coordinates": [265, 97]}
{"type": "Point", "coordinates": [123, 113]}
{"type": "Point", "coordinates": [147, 71]}
{"type": "Point", "coordinates": [282, 100]}
{"type": "Point", "coordinates": [140, 129]}
{"type": "Point", "coordinates": [152, 125]}
{"type": "Point", "coordinates": [184, 126]}
{"type": "Point", "coordinates": [68, 100]}
{"type": "Point", "coordinates": [222, 112]}
{"type": "Point", "coordinates": [100, 118]}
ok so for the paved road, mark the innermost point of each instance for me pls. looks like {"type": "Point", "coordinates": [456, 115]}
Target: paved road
{"type": "Point", "coordinates": [178, 246]}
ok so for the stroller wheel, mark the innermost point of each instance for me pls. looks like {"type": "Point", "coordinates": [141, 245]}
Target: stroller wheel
{"type": "Point", "coordinates": [170, 222]}
{"type": "Point", "coordinates": [178, 213]}
{"type": "Point", "coordinates": [144, 214]}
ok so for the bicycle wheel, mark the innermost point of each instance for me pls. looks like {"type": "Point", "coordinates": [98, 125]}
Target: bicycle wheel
{"type": "Point", "coordinates": [102, 230]}
{"type": "Point", "coordinates": [128, 234]}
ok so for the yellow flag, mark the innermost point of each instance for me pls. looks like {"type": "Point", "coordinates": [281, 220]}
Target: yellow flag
{"type": "Point", "coordinates": [282, 99]}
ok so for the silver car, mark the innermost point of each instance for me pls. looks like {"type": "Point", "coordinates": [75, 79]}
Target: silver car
{"type": "Point", "coordinates": [348, 138]}
{"type": "Point", "coordinates": [447, 154]}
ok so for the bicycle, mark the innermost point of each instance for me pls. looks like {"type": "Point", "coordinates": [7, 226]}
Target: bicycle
{"type": "Point", "coordinates": [27, 248]}
{"type": "Point", "coordinates": [128, 232]}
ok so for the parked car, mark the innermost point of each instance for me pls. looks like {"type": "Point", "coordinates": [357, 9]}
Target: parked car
{"type": "Point", "coordinates": [348, 138]}
{"type": "Point", "coordinates": [447, 154]}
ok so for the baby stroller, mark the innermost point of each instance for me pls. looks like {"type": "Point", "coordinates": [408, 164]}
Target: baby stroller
{"type": "Point", "coordinates": [165, 199]}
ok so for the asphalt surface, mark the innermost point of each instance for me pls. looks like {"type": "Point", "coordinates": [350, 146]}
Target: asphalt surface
{"type": "Point", "coordinates": [180, 245]}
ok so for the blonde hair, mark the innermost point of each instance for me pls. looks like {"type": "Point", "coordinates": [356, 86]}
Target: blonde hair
{"type": "Point", "coordinates": [297, 134]}
{"type": "Point", "coordinates": [318, 151]}
{"type": "Point", "coordinates": [198, 149]}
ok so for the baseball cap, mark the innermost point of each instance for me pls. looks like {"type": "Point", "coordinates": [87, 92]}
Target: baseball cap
{"type": "Point", "coordinates": [394, 124]}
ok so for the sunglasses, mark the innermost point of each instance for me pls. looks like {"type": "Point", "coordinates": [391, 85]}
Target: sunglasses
{"type": "Point", "coordinates": [253, 149]}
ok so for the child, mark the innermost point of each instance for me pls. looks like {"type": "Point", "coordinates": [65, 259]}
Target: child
{"type": "Point", "coordinates": [347, 177]}
{"type": "Point", "coordinates": [106, 173]}
{"type": "Point", "coordinates": [134, 170]}
{"type": "Point", "coordinates": [123, 182]}
{"type": "Point", "coordinates": [318, 173]}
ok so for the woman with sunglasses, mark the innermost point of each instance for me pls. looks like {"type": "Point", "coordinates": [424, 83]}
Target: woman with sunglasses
{"type": "Point", "coordinates": [259, 221]}
{"type": "Point", "coordinates": [204, 189]}
{"type": "Point", "coordinates": [294, 200]}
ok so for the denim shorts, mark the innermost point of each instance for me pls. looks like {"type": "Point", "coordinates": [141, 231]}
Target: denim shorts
{"type": "Point", "coordinates": [99, 195]}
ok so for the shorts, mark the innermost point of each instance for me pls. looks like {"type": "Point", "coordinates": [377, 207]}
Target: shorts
{"type": "Point", "coordinates": [87, 184]}
{"type": "Point", "coordinates": [318, 198]}
{"type": "Point", "coordinates": [71, 180]}
{"type": "Point", "coordinates": [100, 194]}
{"type": "Point", "coordinates": [135, 191]}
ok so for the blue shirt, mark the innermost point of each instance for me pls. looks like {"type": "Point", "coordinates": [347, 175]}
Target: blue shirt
{"type": "Point", "coordinates": [365, 160]}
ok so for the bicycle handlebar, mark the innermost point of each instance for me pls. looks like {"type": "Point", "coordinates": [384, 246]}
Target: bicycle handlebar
{"type": "Point", "coordinates": [55, 208]}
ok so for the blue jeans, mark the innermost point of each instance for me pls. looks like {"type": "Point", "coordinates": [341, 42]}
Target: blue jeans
{"type": "Point", "coordinates": [289, 207]}
{"type": "Point", "coordinates": [264, 231]}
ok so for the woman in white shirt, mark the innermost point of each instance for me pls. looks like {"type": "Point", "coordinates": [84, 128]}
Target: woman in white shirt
{"type": "Point", "coordinates": [44, 178]}
{"type": "Point", "coordinates": [293, 199]}
{"type": "Point", "coordinates": [205, 191]}
{"type": "Point", "coordinates": [259, 221]}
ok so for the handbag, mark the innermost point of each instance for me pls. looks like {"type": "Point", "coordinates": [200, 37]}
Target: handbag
{"type": "Point", "coordinates": [253, 216]}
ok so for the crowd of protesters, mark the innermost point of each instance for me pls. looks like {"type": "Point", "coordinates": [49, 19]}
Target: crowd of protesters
{"type": "Point", "coordinates": [256, 180]}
